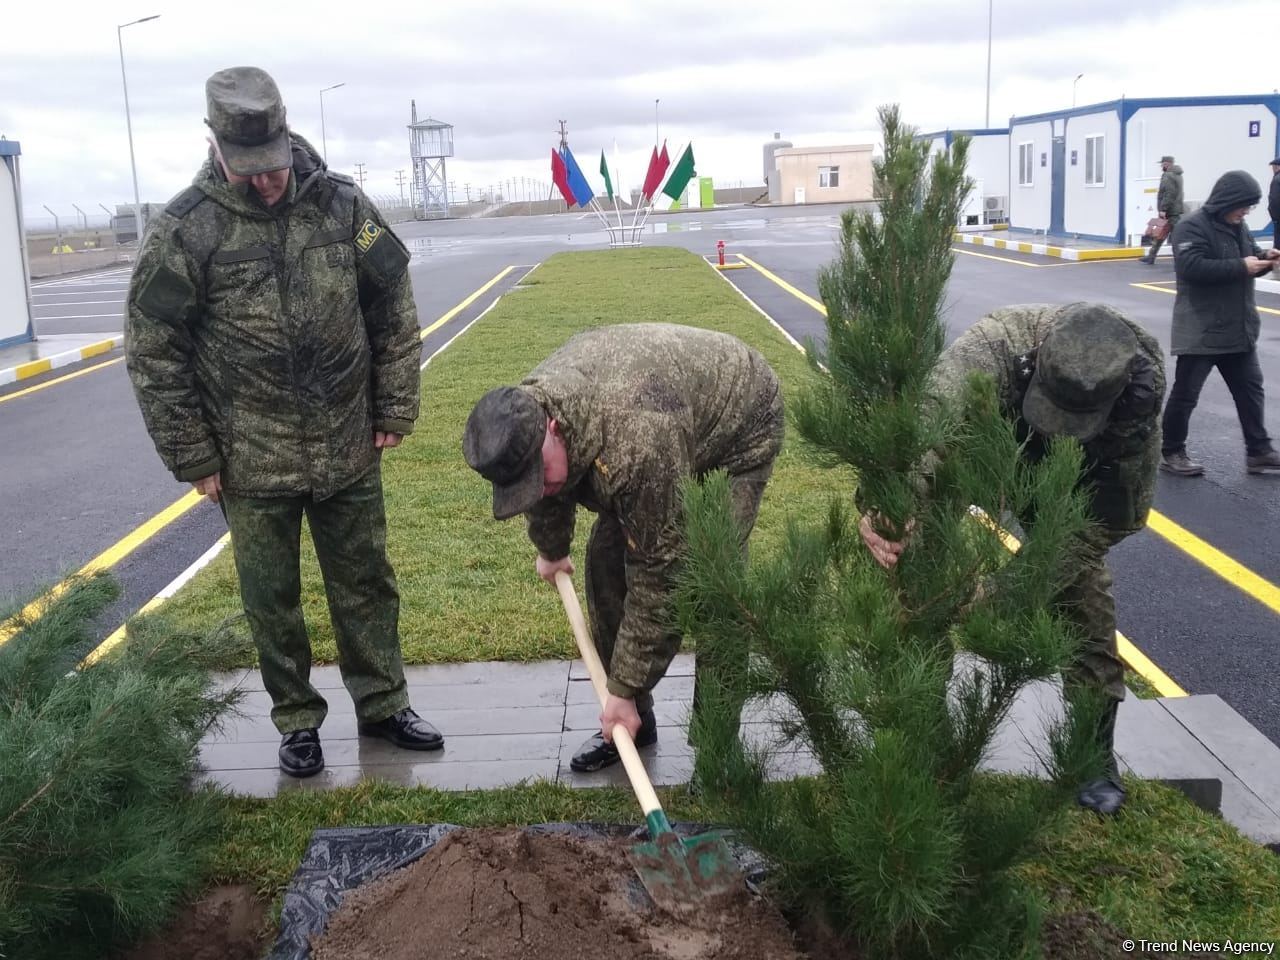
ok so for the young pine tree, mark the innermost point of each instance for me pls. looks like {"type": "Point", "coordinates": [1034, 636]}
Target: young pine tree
{"type": "Point", "coordinates": [899, 844]}
{"type": "Point", "coordinates": [101, 835]}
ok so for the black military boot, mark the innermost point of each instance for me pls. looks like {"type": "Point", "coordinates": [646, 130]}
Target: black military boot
{"type": "Point", "coordinates": [300, 753]}
{"type": "Point", "coordinates": [596, 753]}
{"type": "Point", "coordinates": [1106, 795]}
{"type": "Point", "coordinates": [405, 729]}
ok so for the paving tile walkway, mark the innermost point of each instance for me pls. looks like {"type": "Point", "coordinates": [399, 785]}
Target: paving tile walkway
{"type": "Point", "coordinates": [508, 723]}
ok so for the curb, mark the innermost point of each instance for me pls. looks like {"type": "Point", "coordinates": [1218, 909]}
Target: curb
{"type": "Point", "coordinates": [33, 368]}
{"type": "Point", "coordinates": [1045, 250]}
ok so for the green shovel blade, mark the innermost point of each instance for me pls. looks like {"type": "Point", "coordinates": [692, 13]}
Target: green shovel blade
{"type": "Point", "coordinates": [681, 873]}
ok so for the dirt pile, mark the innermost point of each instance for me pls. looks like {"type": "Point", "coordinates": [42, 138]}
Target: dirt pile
{"type": "Point", "coordinates": [524, 896]}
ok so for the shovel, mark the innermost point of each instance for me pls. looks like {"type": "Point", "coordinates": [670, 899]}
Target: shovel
{"type": "Point", "coordinates": [679, 874]}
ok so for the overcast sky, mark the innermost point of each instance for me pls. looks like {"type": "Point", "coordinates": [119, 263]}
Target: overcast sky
{"type": "Point", "coordinates": [505, 73]}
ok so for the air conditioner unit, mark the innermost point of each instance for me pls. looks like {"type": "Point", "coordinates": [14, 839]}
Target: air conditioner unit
{"type": "Point", "coordinates": [993, 203]}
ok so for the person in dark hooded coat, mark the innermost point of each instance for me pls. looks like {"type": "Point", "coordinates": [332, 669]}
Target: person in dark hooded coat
{"type": "Point", "coordinates": [1216, 323]}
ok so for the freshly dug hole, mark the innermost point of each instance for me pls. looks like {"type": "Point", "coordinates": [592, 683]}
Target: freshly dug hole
{"type": "Point", "coordinates": [502, 894]}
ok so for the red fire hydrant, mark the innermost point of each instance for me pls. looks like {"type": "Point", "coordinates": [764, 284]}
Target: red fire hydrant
{"type": "Point", "coordinates": [720, 251]}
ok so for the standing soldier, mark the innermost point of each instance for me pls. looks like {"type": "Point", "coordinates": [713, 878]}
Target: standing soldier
{"type": "Point", "coordinates": [272, 342]}
{"type": "Point", "coordinates": [1088, 372]}
{"type": "Point", "coordinates": [614, 420]}
{"type": "Point", "coordinates": [1168, 202]}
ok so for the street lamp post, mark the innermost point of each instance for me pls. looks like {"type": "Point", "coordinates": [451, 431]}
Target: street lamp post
{"type": "Point", "coordinates": [324, 140]}
{"type": "Point", "coordinates": [655, 121]}
{"type": "Point", "coordinates": [1073, 89]}
{"type": "Point", "coordinates": [137, 202]}
{"type": "Point", "coordinates": [987, 125]}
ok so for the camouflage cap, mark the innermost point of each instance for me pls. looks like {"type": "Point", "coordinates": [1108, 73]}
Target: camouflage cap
{"type": "Point", "coordinates": [246, 114]}
{"type": "Point", "coordinates": [1166, 159]}
{"type": "Point", "coordinates": [503, 443]}
{"type": "Point", "coordinates": [1082, 367]}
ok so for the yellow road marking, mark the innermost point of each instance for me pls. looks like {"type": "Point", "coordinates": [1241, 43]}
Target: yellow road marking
{"type": "Point", "coordinates": [989, 256]}
{"type": "Point", "coordinates": [798, 294]}
{"type": "Point", "coordinates": [103, 561]}
{"type": "Point", "coordinates": [464, 304]}
{"type": "Point", "coordinates": [49, 383]}
{"type": "Point", "coordinates": [1141, 664]}
{"type": "Point", "coordinates": [1129, 653]}
{"type": "Point", "coordinates": [1152, 286]}
{"type": "Point", "coordinates": [1232, 571]}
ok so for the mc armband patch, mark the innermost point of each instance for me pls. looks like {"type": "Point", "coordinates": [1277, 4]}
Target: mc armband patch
{"type": "Point", "coordinates": [368, 235]}
{"type": "Point", "coordinates": [382, 251]}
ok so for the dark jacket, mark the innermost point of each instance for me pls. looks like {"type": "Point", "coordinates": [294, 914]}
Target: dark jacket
{"type": "Point", "coordinates": [1169, 197]}
{"type": "Point", "coordinates": [269, 344]}
{"type": "Point", "coordinates": [1215, 312]}
{"type": "Point", "coordinates": [1273, 199]}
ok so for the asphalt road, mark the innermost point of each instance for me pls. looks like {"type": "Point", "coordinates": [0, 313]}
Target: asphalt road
{"type": "Point", "coordinates": [79, 472]}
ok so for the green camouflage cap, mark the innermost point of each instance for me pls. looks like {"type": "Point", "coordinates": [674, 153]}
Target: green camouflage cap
{"type": "Point", "coordinates": [1082, 367]}
{"type": "Point", "coordinates": [503, 443]}
{"type": "Point", "coordinates": [1166, 159]}
{"type": "Point", "coordinates": [246, 115]}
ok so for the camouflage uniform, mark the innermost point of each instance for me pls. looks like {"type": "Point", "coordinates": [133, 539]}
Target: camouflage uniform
{"type": "Point", "coordinates": [642, 406]}
{"type": "Point", "coordinates": [267, 345]}
{"type": "Point", "coordinates": [1120, 463]}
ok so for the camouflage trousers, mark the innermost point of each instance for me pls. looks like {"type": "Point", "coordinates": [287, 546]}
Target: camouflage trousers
{"type": "Point", "coordinates": [606, 575]}
{"type": "Point", "coordinates": [1088, 602]}
{"type": "Point", "coordinates": [349, 530]}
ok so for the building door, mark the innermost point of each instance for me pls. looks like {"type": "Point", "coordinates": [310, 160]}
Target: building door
{"type": "Point", "coordinates": [1058, 183]}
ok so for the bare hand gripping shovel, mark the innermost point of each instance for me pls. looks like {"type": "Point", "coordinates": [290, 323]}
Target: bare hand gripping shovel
{"type": "Point", "coordinates": [679, 874]}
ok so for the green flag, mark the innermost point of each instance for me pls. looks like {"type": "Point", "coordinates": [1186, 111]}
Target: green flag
{"type": "Point", "coordinates": [604, 172]}
{"type": "Point", "coordinates": [681, 174]}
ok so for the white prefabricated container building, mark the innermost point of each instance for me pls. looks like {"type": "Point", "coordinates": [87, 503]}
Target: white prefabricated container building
{"type": "Point", "coordinates": [15, 300]}
{"type": "Point", "coordinates": [988, 167]}
{"type": "Point", "coordinates": [1092, 172]}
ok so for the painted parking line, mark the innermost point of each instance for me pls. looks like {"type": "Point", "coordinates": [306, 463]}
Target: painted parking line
{"type": "Point", "coordinates": [1139, 662]}
{"type": "Point", "coordinates": [1209, 556]}
{"type": "Point", "coordinates": [1157, 289]}
{"type": "Point", "coordinates": [103, 561]}
{"type": "Point", "coordinates": [63, 379]}
{"type": "Point", "coordinates": [117, 636]}
{"type": "Point", "coordinates": [464, 304]}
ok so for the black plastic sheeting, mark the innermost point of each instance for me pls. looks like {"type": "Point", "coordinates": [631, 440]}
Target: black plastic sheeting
{"type": "Point", "coordinates": [343, 858]}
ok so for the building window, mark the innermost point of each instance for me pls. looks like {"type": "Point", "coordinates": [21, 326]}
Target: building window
{"type": "Point", "coordinates": [828, 176]}
{"type": "Point", "coordinates": [1025, 155]}
{"type": "Point", "coordinates": [1094, 156]}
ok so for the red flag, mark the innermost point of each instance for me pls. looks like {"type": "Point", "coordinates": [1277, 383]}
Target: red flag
{"type": "Point", "coordinates": [657, 170]}
{"type": "Point", "coordinates": [560, 177]}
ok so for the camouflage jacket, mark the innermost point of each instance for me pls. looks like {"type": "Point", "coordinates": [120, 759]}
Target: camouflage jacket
{"type": "Point", "coordinates": [270, 344]}
{"type": "Point", "coordinates": [1169, 195]}
{"type": "Point", "coordinates": [642, 406]}
{"type": "Point", "coordinates": [1120, 463]}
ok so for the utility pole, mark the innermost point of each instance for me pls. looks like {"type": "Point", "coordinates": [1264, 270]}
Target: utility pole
{"type": "Point", "coordinates": [400, 183]}
{"type": "Point", "coordinates": [564, 135]}
{"type": "Point", "coordinates": [990, 4]}
{"type": "Point", "coordinates": [360, 175]}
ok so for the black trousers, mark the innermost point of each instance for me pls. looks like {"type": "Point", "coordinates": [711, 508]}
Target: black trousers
{"type": "Point", "coordinates": [1243, 376]}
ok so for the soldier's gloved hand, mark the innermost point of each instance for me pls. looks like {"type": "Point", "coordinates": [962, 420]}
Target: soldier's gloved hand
{"type": "Point", "coordinates": [547, 569]}
{"type": "Point", "coordinates": [210, 486]}
{"type": "Point", "coordinates": [619, 710]}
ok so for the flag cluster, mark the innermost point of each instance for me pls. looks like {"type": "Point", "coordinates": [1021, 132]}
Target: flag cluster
{"type": "Point", "coordinates": [573, 185]}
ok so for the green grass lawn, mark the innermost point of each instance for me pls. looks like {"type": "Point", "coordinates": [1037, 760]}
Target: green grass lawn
{"type": "Point", "coordinates": [468, 590]}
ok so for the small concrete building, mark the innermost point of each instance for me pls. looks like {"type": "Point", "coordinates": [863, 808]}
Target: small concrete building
{"type": "Point", "coordinates": [1092, 172]}
{"type": "Point", "coordinates": [821, 174]}
{"type": "Point", "coordinates": [988, 167]}
{"type": "Point", "coordinates": [15, 292]}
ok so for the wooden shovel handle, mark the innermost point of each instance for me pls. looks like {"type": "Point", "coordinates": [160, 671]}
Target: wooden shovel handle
{"type": "Point", "coordinates": [640, 783]}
